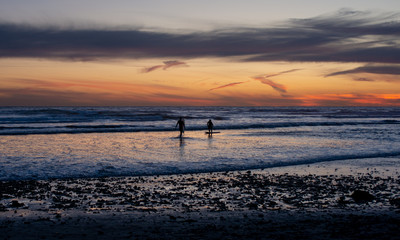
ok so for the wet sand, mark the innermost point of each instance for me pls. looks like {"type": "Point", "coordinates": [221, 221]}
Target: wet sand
{"type": "Point", "coordinates": [340, 200]}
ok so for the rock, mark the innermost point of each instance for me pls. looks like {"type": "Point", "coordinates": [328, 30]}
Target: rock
{"type": "Point", "coordinates": [16, 204]}
{"type": "Point", "coordinates": [252, 206]}
{"type": "Point", "coordinates": [395, 202]}
{"type": "Point", "coordinates": [362, 196]}
{"type": "Point", "coordinates": [2, 208]}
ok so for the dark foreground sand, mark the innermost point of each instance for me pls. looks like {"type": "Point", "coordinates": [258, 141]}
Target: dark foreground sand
{"type": "Point", "coordinates": [231, 205]}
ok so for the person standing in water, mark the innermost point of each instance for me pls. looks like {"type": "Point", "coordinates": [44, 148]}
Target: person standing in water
{"type": "Point", "coordinates": [181, 124]}
{"type": "Point", "coordinates": [210, 126]}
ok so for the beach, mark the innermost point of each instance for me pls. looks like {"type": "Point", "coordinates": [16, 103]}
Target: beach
{"type": "Point", "coordinates": [270, 173]}
{"type": "Point", "coordinates": [199, 120]}
{"type": "Point", "coordinates": [333, 200]}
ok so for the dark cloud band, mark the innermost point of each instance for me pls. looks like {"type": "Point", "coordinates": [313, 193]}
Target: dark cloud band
{"type": "Point", "coordinates": [392, 70]}
{"type": "Point", "coordinates": [343, 37]}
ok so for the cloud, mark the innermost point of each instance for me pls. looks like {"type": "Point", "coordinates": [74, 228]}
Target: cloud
{"type": "Point", "coordinates": [388, 69]}
{"type": "Point", "coordinates": [165, 66]}
{"type": "Point", "coordinates": [280, 73]}
{"type": "Point", "coordinates": [346, 36]}
{"type": "Point", "coordinates": [264, 79]}
{"type": "Point", "coordinates": [227, 85]}
{"type": "Point", "coordinates": [169, 64]}
{"type": "Point", "coordinates": [278, 87]}
{"type": "Point", "coordinates": [150, 69]}
{"type": "Point", "coordinates": [364, 79]}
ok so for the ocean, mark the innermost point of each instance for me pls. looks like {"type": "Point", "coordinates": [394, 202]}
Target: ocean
{"type": "Point", "coordinates": [85, 142]}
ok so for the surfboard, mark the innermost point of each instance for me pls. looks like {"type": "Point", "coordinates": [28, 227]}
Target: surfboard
{"type": "Point", "coordinates": [211, 132]}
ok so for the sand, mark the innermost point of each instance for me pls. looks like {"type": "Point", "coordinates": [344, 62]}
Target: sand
{"type": "Point", "coordinates": [337, 200]}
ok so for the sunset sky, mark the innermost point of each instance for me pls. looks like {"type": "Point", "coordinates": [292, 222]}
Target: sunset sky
{"type": "Point", "coordinates": [199, 53]}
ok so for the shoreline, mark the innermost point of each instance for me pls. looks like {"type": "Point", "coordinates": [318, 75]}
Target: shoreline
{"type": "Point", "coordinates": [304, 202]}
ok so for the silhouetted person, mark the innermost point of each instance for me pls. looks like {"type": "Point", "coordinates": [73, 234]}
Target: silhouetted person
{"type": "Point", "coordinates": [210, 126]}
{"type": "Point", "coordinates": [181, 124]}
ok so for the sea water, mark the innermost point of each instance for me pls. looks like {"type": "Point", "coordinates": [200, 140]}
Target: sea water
{"type": "Point", "coordinates": [63, 142]}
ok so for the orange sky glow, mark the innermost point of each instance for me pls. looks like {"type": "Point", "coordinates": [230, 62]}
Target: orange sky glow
{"type": "Point", "coordinates": [345, 58]}
{"type": "Point", "coordinates": [200, 82]}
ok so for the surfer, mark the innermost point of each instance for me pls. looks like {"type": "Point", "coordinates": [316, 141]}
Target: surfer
{"type": "Point", "coordinates": [181, 124]}
{"type": "Point", "coordinates": [210, 126]}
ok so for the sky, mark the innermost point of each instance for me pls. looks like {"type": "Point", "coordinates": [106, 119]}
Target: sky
{"type": "Point", "coordinates": [199, 53]}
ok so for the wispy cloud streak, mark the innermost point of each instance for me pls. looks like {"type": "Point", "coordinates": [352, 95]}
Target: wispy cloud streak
{"type": "Point", "coordinates": [150, 69]}
{"type": "Point", "coordinates": [276, 86]}
{"type": "Point", "coordinates": [363, 79]}
{"type": "Point", "coordinates": [165, 66]}
{"type": "Point", "coordinates": [280, 73]}
{"type": "Point", "coordinates": [346, 36]}
{"type": "Point", "coordinates": [227, 85]}
{"type": "Point", "coordinates": [388, 69]}
{"type": "Point", "coordinates": [264, 80]}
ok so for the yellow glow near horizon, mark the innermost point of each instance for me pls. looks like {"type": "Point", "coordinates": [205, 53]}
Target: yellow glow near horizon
{"type": "Point", "coordinates": [203, 81]}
